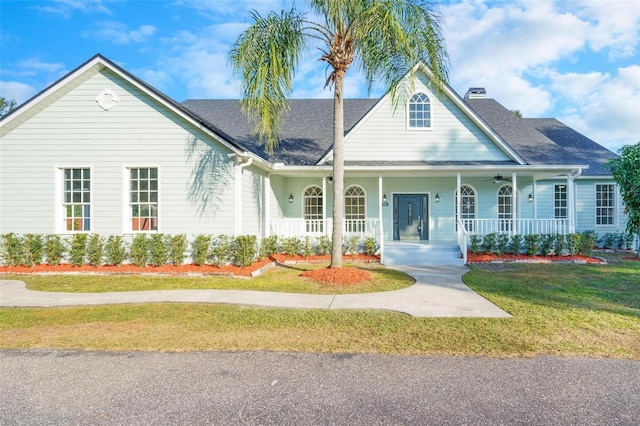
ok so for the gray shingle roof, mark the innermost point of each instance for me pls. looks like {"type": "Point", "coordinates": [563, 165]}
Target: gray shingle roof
{"type": "Point", "coordinates": [306, 135]}
{"type": "Point", "coordinates": [580, 147]}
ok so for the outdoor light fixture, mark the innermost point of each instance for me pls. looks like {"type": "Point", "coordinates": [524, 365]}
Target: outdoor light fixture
{"type": "Point", "coordinates": [530, 197]}
{"type": "Point", "coordinates": [291, 198]}
{"type": "Point", "coordinates": [437, 197]}
{"type": "Point", "coordinates": [384, 200]}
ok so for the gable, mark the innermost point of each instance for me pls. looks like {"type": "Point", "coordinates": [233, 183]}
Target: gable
{"type": "Point", "coordinates": [385, 135]}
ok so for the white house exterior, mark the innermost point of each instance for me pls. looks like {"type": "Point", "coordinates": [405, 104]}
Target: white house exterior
{"type": "Point", "coordinates": [101, 151]}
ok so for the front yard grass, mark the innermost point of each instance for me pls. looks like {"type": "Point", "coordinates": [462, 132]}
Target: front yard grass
{"type": "Point", "coordinates": [565, 310]}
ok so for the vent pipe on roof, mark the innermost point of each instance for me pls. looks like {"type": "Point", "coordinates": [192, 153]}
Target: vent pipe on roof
{"type": "Point", "coordinates": [476, 93]}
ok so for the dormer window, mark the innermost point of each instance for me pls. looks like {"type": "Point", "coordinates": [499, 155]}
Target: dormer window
{"type": "Point", "coordinates": [419, 112]}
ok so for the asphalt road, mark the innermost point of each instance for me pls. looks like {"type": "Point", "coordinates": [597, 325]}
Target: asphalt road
{"type": "Point", "coordinates": [262, 388]}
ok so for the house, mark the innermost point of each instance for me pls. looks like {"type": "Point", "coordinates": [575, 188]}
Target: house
{"type": "Point", "coordinates": [101, 151]}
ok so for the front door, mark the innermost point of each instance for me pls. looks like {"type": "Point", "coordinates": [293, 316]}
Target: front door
{"type": "Point", "coordinates": [410, 217]}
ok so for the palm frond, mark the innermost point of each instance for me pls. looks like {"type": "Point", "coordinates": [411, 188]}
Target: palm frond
{"type": "Point", "coordinates": [265, 58]}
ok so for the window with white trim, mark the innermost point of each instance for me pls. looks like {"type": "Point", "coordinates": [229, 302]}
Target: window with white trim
{"type": "Point", "coordinates": [354, 209]}
{"type": "Point", "coordinates": [77, 199]}
{"type": "Point", "coordinates": [605, 204]}
{"type": "Point", "coordinates": [313, 209]}
{"type": "Point", "coordinates": [419, 112]}
{"type": "Point", "coordinates": [560, 202]}
{"type": "Point", "coordinates": [143, 198]}
{"type": "Point", "coordinates": [467, 207]}
{"type": "Point", "coordinates": [505, 208]}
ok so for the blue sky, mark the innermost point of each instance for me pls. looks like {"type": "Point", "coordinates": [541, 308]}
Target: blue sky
{"type": "Point", "coordinates": [575, 60]}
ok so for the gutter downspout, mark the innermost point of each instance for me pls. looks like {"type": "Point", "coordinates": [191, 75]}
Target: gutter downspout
{"type": "Point", "coordinates": [242, 160]}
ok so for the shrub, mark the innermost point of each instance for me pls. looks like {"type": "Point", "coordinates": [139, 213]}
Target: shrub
{"type": "Point", "coordinates": [12, 249]}
{"type": "Point", "coordinates": [324, 245]}
{"type": "Point", "coordinates": [177, 247]}
{"type": "Point", "coordinates": [502, 241]}
{"type": "Point", "coordinates": [200, 249]}
{"type": "Point", "coordinates": [351, 245]}
{"type": "Point", "coordinates": [588, 240]}
{"type": "Point", "coordinates": [54, 249]}
{"type": "Point", "coordinates": [560, 246]}
{"type": "Point", "coordinates": [628, 240]}
{"type": "Point", "coordinates": [489, 242]}
{"type": "Point", "coordinates": [77, 248]}
{"type": "Point", "coordinates": [307, 247]}
{"type": "Point", "coordinates": [269, 246]}
{"type": "Point", "coordinates": [574, 243]}
{"type": "Point", "coordinates": [222, 250]}
{"type": "Point", "coordinates": [158, 250]}
{"type": "Point", "coordinates": [476, 242]}
{"type": "Point", "coordinates": [370, 246]}
{"type": "Point", "coordinates": [245, 250]}
{"type": "Point", "coordinates": [531, 243]}
{"type": "Point", "coordinates": [140, 250]}
{"type": "Point", "coordinates": [609, 240]}
{"type": "Point", "coordinates": [547, 243]}
{"type": "Point", "coordinates": [291, 246]}
{"type": "Point", "coordinates": [114, 250]}
{"type": "Point", "coordinates": [95, 250]}
{"type": "Point", "coordinates": [32, 248]}
{"type": "Point", "coordinates": [515, 246]}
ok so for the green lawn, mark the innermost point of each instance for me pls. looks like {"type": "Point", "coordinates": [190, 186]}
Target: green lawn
{"type": "Point", "coordinates": [567, 310]}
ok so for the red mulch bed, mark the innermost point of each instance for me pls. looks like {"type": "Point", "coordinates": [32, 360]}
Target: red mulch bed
{"type": "Point", "coordinates": [316, 258]}
{"type": "Point", "coordinates": [66, 268]}
{"type": "Point", "coordinates": [344, 275]}
{"type": "Point", "coordinates": [637, 259]}
{"type": "Point", "coordinates": [487, 258]}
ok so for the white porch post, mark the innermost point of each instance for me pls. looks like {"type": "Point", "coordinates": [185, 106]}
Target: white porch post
{"type": "Point", "coordinates": [324, 205]}
{"type": "Point", "coordinates": [237, 186]}
{"type": "Point", "coordinates": [514, 202]}
{"type": "Point", "coordinates": [571, 199]}
{"type": "Point", "coordinates": [458, 199]}
{"type": "Point", "coordinates": [535, 198]}
{"type": "Point", "coordinates": [266, 230]}
{"type": "Point", "coordinates": [380, 228]}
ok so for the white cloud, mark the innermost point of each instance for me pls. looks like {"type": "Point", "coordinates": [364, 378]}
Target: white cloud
{"type": "Point", "coordinates": [19, 92]}
{"type": "Point", "coordinates": [604, 107]}
{"type": "Point", "coordinates": [32, 66]}
{"type": "Point", "coordinates": [119, 33]}
{"type": "Point", "coordinates": [66, 8]}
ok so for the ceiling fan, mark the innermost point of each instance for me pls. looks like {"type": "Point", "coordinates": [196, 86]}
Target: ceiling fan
{"type": "Point", "coordinates": [499, 178]}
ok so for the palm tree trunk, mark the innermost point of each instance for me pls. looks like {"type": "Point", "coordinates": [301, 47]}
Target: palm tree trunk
{"type": "Point", "coordinates": [338, 170]}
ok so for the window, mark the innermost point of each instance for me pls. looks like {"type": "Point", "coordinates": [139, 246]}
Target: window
{"type": "Point", "coordinates": [313, 209]}
{"type": "Point", "coordinates": [467, 208]}
{"type": "Point", "coordinates": [560, 201]}
{"type": "Point", "coordinates": [143, 199]}
{"type": "Point", "coordinates": [605, 204]}
{"type": "Point", "coordinates": [419, 112]}
{"type": "Point", "coordinates": [77, 199]}
{"type": "Point", "coordinates": [505, 208]}
{"type": "Point", "coordinates": [354, 209]}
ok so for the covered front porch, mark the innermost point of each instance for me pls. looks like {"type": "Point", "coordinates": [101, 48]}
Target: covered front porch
{"type": "Point", "coordinates": [436, 206]}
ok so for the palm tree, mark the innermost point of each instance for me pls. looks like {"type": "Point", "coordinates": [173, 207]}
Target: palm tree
{"type": "Point", "coordinates": [385, 38]}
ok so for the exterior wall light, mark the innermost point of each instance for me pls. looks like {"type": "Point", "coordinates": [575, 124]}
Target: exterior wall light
{"type": "Point", "coordinates": [384, 200]}
{"type": "Point", "coordinates": [437, 197]}
{"type": "Point", "coordinates": [530, 197]}
{"type": "Point", "coordinates": [291, 198]}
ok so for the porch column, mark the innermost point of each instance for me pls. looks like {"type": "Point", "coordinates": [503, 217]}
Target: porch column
{"type": "Point", "coordinates": [458, 199]}
{"type": "Point", "coordinates": [237, 186]}
{"type": "Point", "coordinates": [324, 205]}
{"type": "Point", "coordinates": [571, 199]}
{"type": "Point", "coordinates": [514, 202]}
{"type": "Point", "coordinates": [380, 228]}
{"type": "Point", "coordinates": [266, 230]}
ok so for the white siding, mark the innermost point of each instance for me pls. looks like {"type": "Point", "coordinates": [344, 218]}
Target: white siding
{"type": "Point", "coordinates": [453, 136]}
{"type": "Point", "coordinates": [195, 173]}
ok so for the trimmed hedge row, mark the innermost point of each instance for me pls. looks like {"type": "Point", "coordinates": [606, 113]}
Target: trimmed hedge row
{"type": "Point", "coordinates": [161, 249]}
{"type": "Point", "coordinates": [582, 243]}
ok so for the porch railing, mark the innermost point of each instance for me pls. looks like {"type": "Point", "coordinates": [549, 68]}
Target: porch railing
{"type": "Point", "coordinates": [522, 226]}
{"type": "Point", "coordinates": [361, 228]}
{"type": "Point", "coordinates": [462, 240]}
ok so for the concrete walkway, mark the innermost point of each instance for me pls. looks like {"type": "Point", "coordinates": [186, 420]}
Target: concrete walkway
{"type": "Point", "coordinates": [438, 292]}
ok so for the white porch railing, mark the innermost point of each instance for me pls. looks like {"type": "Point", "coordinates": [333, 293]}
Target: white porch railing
{"type": "Point", "coordinates": [522, 226]}
{"type": "Point", "coordinates": [362, 228]}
